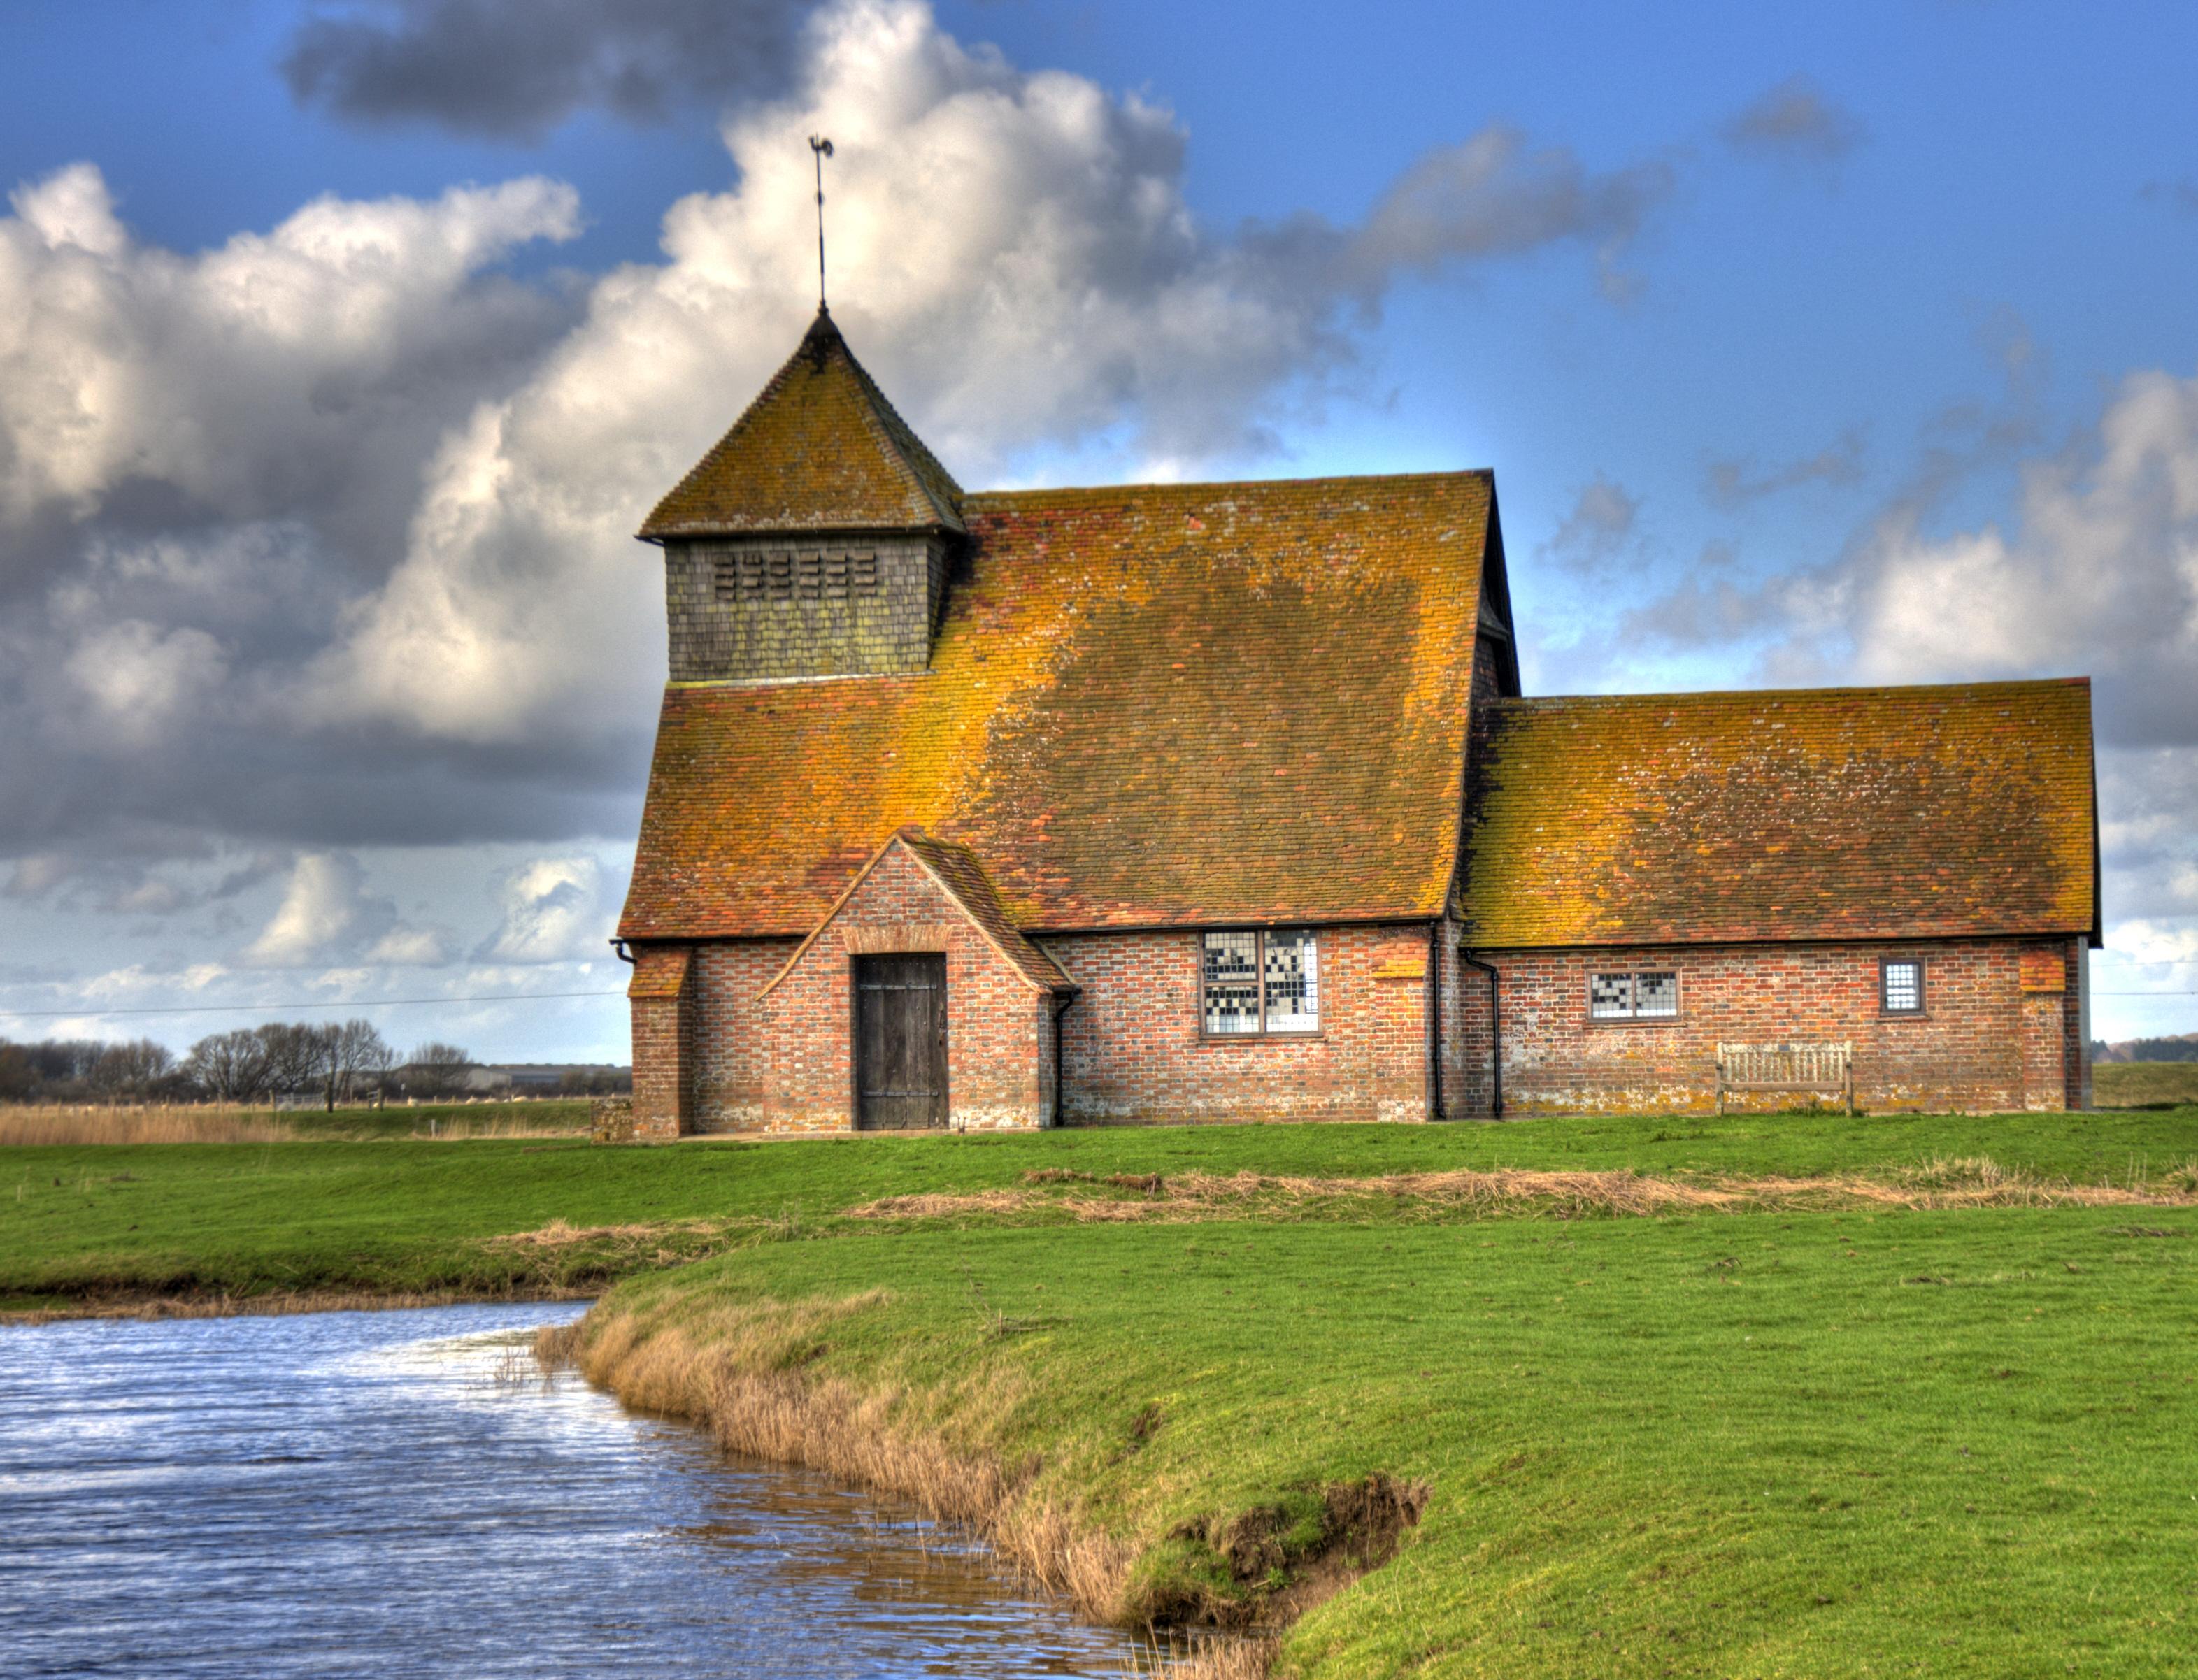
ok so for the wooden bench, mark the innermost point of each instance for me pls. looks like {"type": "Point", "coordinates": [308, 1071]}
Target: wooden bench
{"type": "Point", "coordinates": [1824, 1069]}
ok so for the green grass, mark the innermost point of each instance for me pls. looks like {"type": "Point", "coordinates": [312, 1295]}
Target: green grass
{"type": "Point", "coordinates": [2145, 1084]}
{"type": "Point", "coordinates": [1765, 1443]}
{"type": "Point", "coordinates": [1955, 1443]}
{"type": "Point", "coordinates": [410, 1216]}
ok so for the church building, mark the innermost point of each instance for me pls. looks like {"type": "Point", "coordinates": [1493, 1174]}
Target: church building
{"type": "Point", "coordinates": [1015, 808]}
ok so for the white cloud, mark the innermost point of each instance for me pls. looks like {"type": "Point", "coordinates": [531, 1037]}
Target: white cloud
{"type": "Point", "coordinates": [138, 679]}
{"type": "Point", "coordinates": [412, 947]}
{"type": "Point", "coordinates": [553, 910]}
{"type": "Point", "coordinates": [325, 913]}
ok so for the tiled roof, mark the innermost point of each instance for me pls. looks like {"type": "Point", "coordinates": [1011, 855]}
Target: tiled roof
{"type": "Point", "coordinates": [1148, 706]}
{"type": "Point", "coordinates": [820, 449]}
{"type": "Point", "coordinates": [658, 972]}
{"type": "Point", "coordinates": [1831, 813]}
{"type": "Point", "coordinates": [962, 879]}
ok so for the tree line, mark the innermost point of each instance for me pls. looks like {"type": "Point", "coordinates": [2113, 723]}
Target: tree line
{"type": "Point", "coordinates": [334, 1061]}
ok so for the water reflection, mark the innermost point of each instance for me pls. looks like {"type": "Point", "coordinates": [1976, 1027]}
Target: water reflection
{"type": "Point", "coordinates": [399, 1494]}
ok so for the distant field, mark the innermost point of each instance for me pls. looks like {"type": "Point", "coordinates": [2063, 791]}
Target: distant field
{"type": "Point", "coordinates": [195, 1123]}
{"type": "Point", "coordinates": [2144, 1085]}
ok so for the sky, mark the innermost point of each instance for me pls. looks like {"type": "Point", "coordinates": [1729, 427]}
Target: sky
{"type": "Point", "coordinates": [343, 346]}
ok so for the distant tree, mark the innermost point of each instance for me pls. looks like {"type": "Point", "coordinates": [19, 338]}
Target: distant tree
{"type": "Point", "coordinates": [296, 1054]}
{"type": "Point", "coordinates": [228, 1067]}
{"type": "Point", "coordinates": [354, 1051]}
{"type": "Point", "coordinates": [436, 1069]}
{"type": "Point", "coordinates": [130, 1070]}
{"type": "Point", "coordinates": [19, 1076]}
{"type": "Point", "coordinates": [2182, 1048]}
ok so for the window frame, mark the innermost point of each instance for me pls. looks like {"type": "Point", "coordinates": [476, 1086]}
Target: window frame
{"type": "Point", "coordinates": [1633, 1017]}
{"type": "Point", "coordinates": [1264, 1034]}
{"type": "Point", "coordinates": [1886, 965]}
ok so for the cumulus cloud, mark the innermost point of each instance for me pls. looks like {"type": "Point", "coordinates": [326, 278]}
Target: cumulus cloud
{"type": "Point", "coordinates": [326, 913]}
{"type": "Point", "coordinates": [321, 539]}
{"type": "Point", "coordinates": [1602, 518]}
{"type": "Point", "coordinates": [552, 909]}
{"type": "Point", "coordinates": [513, 69]}
{"type": "Point", "coordinates": [411, 948]}
{"type": "Point", "coordinates": [1794, 122]}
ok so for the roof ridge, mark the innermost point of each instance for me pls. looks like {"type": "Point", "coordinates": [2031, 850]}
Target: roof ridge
{"type": "Point", "coordinates": [1190, 486]}
{"type": "Point", "coordinates": [1743, 695]}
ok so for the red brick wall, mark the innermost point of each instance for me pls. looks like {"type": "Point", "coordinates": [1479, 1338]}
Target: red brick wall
{"type": "Point", "coordinates": [663, 1043]}
{"type": "Point", "coordinates": [729, 1081]}
{"type": "Point", "coordinates": [1983, 1044]}
{"type": "Point", "coordinates": [1132, 1052]}
{"type": "Point", "coordinates": [781, 1063]}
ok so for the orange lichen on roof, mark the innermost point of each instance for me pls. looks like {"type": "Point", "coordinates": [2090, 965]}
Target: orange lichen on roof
{"type": "Point", "coordinates": [658, 972]}
{"type": "Point", "coordinates": [820, 449]}
{"type": "Point", "coordinates": [1830, 813]}
{"type": "Point", "coordinates": [1148, 706]}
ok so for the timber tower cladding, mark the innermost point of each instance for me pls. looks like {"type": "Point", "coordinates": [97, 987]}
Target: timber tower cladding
{"type": "Point", "coordinates": [814, 539]}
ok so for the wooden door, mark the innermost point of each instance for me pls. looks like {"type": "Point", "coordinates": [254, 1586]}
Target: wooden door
{"type": "Point", "coordinates": [900, 1042]}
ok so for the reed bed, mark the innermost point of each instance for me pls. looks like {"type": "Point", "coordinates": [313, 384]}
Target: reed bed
{"type": "Point", "coordinates": [63, 1125]}
{"type": "Point", "coordinates": [177, 1124]}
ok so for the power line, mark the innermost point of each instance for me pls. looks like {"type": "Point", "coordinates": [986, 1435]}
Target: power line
{"type": "Point", "coordinates": [311, 1003]}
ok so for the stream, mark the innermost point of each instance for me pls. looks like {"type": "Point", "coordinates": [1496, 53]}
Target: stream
{"type": "Point", "coordinates": [406, 1493]}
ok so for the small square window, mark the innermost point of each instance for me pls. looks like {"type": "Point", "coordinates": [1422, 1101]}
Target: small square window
{"type": "Point", "coordinates": [1903, 988]}
{"type": "Point", "coordinates": [1656, 994]}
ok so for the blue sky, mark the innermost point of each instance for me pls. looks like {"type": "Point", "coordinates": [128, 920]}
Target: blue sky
{"type": "Point", "coordinates": [1852, 344]}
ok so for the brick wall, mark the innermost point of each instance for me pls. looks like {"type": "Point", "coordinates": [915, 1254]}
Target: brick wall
{"type": "Point", "coordinates": [825, 619]}
{"type": "Point", "coordinates": [781, 1063]}
{"type": "Point", "coordinates": [662, 993]}
{"type": "Point", "coordinates": [1983, 1043]}
{"type": "Point", "coordinates": [1132, 1051]}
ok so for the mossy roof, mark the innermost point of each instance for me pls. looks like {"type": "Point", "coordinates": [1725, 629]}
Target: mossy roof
{"type": "Point", "coordinates": [1148, 706]}
{"type": "Point", "coordinates": [821, 448]}
{"type": "Point", "coordinates": [1830, 813]}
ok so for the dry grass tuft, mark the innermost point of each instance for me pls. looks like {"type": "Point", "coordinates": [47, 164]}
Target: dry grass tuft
{"type": "Point", "coordinates": [1225, 1657]}
{"type": "Point", "coordinates": [738, 1370]}
{"type": "Point", "coordinates": [1966, 1182]}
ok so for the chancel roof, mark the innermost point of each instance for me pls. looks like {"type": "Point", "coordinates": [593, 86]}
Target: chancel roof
{"type": "Point", "coordinates": [821, 448]}
{"type": "Point", "coordinates": [1148, 706]}
{"type": "Point", "coordinates": [1830, 813]}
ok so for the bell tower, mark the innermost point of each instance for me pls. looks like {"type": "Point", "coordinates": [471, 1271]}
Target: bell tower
{"type": "Point", "coordinates": [814, 538]}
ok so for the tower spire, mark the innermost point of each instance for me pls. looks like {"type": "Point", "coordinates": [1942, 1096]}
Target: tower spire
{"type": "Point", "coordinates": [822, 150]}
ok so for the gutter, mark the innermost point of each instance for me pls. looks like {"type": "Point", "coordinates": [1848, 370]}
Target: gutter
{"type": "Point", "coordinates": [1495, 1032]}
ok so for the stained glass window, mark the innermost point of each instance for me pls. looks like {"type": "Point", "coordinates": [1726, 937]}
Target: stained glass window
{"type": "Point", "coordinates": [1652, 996]}
{"type": "Point", "coordinates": [1255, 983]}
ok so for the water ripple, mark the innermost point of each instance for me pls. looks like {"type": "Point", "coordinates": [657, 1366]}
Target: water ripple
{"type": "Point", "coordinates": [341, 1494]}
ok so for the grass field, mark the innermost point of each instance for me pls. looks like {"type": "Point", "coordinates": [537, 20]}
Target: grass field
{"type": "Point", "coordinates": [413, 1217]}
{"type": "Point", "coordinates": [1771, 1396]}
{"type": "Point", "coordinates": [2144, 1085]}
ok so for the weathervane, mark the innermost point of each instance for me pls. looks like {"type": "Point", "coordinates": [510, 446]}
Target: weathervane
{"type": "Point", "coordinates": [822, 149]}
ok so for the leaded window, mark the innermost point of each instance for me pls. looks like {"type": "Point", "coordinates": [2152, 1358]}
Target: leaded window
{"type": "Point", "coordinates": [1902, 986]}
{"type": "Point", "coordinates": [1650, 994]}
{"type": "Point", "coordinates": [1255, 983]}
